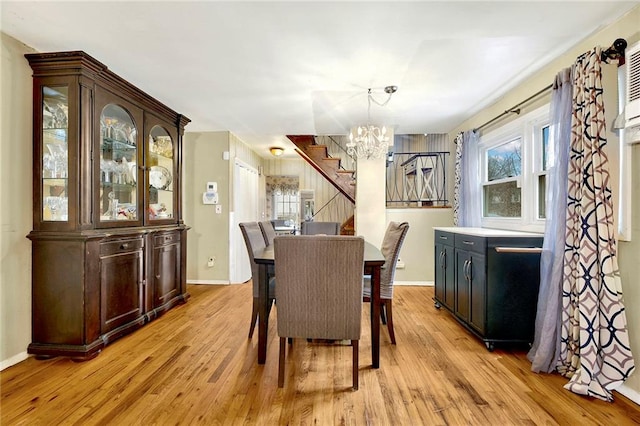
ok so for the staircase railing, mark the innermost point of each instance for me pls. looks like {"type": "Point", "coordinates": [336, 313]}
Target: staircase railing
{"type": "Point", "coordinates": [336, 148]}
{"type": "Point", "coordinates": [337, 209]}
{"type": "Point", "coordinates": [417, 179]}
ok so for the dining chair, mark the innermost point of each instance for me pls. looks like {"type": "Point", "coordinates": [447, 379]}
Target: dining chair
{"type": "Point", "coordinates": [254, 241]}
{"type": "Point", "coordinates": [316, 228]}
{"type": "Point", "coordinates": [391, 244]}
{"type": "Point", "coordinates": [319, 291]}
{"type": "Point", "coordinates": [268, 231]}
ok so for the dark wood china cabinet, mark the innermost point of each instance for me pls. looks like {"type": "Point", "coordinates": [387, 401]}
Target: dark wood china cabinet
{"type": "Point", "coordinates": [108, 239]}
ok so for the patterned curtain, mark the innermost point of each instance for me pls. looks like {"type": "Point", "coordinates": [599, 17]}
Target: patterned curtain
{"type": "Point", "coordinates": [458, 180]}
{"type": "Point", "coordinates": [595, 350]}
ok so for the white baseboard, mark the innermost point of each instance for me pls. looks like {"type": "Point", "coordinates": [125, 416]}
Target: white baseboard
{"type": "Point", "coordinates": [629, 393]}
{"type": "Point", "coordinates": [13, 360]}
{"type": "Point", "coordinates": [416, 283]}
{"type": "Point", "coordinates": [209, 282]}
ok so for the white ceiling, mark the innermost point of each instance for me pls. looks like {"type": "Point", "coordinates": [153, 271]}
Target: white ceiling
{"type": "Point", "coordinates": [266, 69]}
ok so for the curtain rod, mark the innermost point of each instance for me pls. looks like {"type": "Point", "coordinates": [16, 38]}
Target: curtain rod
{"type": "Point", "coordinates": [514, 109]}
{"type": "Point", "coordinates": [616, 51]}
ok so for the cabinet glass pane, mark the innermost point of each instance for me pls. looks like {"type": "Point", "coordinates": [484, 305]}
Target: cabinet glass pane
{"type": "Point", "coordinates": [55, 161]}
{"type": "Point", "coordinates": [160, 162]}
{"type": "Point", "coordinates": [118, 168]}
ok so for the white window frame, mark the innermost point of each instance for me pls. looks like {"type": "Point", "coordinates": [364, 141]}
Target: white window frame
{"type": "Point", "coordinates": [525, 127]}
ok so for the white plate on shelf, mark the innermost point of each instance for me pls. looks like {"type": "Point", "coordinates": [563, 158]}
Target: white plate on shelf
{"type": "Point", "coordinates": [159, 177]}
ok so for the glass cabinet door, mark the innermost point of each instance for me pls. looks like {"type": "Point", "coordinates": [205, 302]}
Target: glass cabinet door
{"type": "Point", "coordinates": [55, 147]}
{"type": "Point", "coordinates": [118, 168]}
{"type": "Point", "coordinates": [160, 165]}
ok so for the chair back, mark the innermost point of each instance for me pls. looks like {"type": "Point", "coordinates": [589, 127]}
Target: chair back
{"type": "Point", "coordinates": [315, 228]}
{"type": "Point", "coordinates": [391, 245]}
{"type": "Point", "coordinates": [268, 232]}
{"type": "Point", "coordinates": [254, 241]}
{"type": "Point", "coordinates": [319, 289]}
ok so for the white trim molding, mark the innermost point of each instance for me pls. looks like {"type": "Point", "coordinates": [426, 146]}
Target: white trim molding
{"type": "Point", "coordinates": [13, 360]}
{"type": "Point", "coordinates": [629, 393]}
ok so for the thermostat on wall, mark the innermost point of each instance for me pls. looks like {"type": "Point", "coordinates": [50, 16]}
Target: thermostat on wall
{"type": "Point", "coordinates": [209, 197]}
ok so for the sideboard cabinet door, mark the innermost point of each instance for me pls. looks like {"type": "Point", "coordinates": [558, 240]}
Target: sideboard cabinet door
{"type": "Point", "coordinates": [121, 285]}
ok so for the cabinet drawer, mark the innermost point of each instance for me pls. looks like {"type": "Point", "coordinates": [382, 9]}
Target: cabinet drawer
{"type": "Point", "coordinates": [127, 245]}
{"type": "Point", "coordinates": [166, 239]}
{"type": "Point", "coordinates": [443, 237]}
{"type": "Point", "coordinates": [470, 242]}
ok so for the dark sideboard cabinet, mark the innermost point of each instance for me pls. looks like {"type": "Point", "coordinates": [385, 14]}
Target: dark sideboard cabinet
{"type": "Point", "coordinates": [108, 238]}
{"type": "Point", "coordinates": [489, 281]}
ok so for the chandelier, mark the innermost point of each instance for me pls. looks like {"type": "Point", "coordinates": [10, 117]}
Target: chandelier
{"type": "Point", "coordinates": [371, 141]}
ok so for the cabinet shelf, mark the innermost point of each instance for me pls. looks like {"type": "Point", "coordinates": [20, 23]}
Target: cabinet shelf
{"type": "Point", "coordinates": [113, 144]}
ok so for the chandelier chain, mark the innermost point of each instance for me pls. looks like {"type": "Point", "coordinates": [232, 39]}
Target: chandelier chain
{"type": "Point", "coordinates": [371, 141]}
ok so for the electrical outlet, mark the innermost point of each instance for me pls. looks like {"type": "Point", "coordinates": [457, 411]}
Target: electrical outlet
{"type": "Point", "coordinates": [218, 209]}
{"type": "Point", "coordinates": [211, 262]}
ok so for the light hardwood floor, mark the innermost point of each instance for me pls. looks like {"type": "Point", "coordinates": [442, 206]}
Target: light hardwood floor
{"type": "Point", "coordinates": [195, 365]}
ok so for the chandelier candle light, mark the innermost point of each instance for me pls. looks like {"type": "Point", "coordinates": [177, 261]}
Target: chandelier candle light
{"type": "Point", "coordinates": [371, 141]}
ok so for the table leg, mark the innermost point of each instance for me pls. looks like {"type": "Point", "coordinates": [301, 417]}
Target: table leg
{"type": "Point", "coordinates": [263, 312]}
{"type": "Point", "coordinates": [375, 316]}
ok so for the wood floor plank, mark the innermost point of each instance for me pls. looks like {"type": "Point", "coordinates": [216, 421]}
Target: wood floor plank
{"type": "Point", "coordinates": [194, 365]}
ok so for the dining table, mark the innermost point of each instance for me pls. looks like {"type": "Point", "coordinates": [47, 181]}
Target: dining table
{"type": "Point", "coordinates": [373, 261]}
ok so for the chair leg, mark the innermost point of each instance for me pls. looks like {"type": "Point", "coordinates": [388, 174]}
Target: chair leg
{"type": "Point", "coordinates": [254, 317]}
{"type": "Point", "coordinates": [389, 311]}
{"type": "Point", "coordinates": [383, 313]}
{"type": "Point", "coordinates": [254, 314]}
{"type": "Point", "coordinates": [354, 344]}
{"type": "Point", "coordinates": [283, 345]}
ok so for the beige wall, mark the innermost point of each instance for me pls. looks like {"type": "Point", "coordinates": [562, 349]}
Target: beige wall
{"type": "Point", "coordinates": [209, 233]}
{"type": "Point", "coordinates": [629, 252]}
{"type": "Point", "coordinates": [417, 251]}
{"type": "Point", "coordinates": [15, 199]}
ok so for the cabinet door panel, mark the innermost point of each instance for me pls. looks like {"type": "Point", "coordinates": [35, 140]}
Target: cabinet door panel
{"type": "Point", "coordinates": [440, 273]}
{"type": "Point", "coordinates": [121, 298]}
{"type": "Point", "coordinates": [478, 291]}
{"type": "Point", "coordinates": [444, 275]}
{"type": "Point", "coordinates": [462, 284]}
{"type": "Point", "coordinates": [117, 124]}
{"type": "Point", "coordinates": [450, 286]}
{"type": "Point", "coordinates": [166, 273]}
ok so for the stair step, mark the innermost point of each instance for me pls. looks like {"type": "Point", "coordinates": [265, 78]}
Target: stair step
{"type": "Point", "coordinates": [329, 167]}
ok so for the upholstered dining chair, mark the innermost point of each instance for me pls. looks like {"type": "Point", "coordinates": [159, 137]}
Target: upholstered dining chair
{"type": "Point", "coordinates": [316, 228]}
{"type": "Point", "coordinates": [391, 244]}
{"type": "Point", "coordinates": [319, 291]}
{"type": "Point", "coordinates": [268, 231]}
{"type": "Point", "coordinates": [254, 241]}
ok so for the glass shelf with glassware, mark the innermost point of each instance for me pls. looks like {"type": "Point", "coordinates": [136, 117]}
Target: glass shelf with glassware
{"type": "Point", "coordinates": [55, 157]}
{"type": "Point", "coordinates": [160, 154]}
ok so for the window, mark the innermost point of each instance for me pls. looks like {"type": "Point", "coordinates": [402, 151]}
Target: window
{"type": "Point", "coordinates": [502, 191]}
{"type": "Point", "coordinates": [285, 206]}
{"type": "Point", "coordinates": [514, 164]}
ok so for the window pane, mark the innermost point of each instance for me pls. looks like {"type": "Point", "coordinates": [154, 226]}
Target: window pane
{"type": "Point", "coordinates": [286, 207]}
{"type": "Point", "coordinates": [542, 195]}
{"type": "Point", "coordinates": [504, 161]}
{"type": "Point", "coordinates": [502, 200]}
{"type": "Point", "coordinates": [545, 149]}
